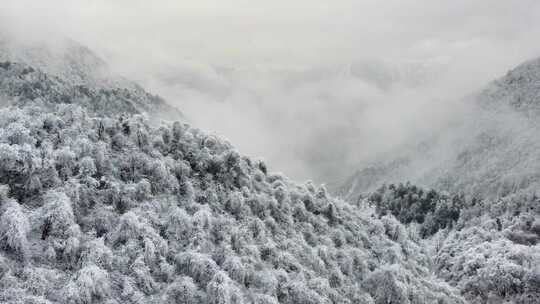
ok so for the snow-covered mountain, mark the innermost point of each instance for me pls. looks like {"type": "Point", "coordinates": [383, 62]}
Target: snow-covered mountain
{"type": "Point", "coordinates": [490, 151]}
{"type": "Point", "coordinates": [519, 89]}
{"type": "Point", "coordinates": [480, 216]}
{"type": "Point", "coordinates": [97, 205]}
{"type": "Point", "coordinates": [64, 71]}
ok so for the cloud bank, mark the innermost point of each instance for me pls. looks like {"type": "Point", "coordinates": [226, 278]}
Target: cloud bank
{"type": "Point", "coordinates": [314, 87]}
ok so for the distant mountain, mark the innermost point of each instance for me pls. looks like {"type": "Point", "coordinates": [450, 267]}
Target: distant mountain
{"type": "Point", "coordinates": [519, 89]}
{"type": "Point", "coordinates": [489, 152]}
{"type": "Point", "coordinates": [63, 58]}
{"type": "Point", "coordinates": [63, 71]}
{"type": "Point", "coordinates": [477, 208]}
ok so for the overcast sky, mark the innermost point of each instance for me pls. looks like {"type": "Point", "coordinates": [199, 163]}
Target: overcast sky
{"type": "Point", "coordinates": [296, 32]}
{"type": "Point", "coordinates": [308, 85]}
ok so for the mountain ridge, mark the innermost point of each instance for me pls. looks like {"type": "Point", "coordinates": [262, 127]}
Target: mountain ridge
{"type": "Point", "coordinates": [72, 72]}
{"type": "Point", "coordinates": [99, 205]}
{"type": "Point", "coordinates": [102, 206]}
{"type": "Point", "coordinates": [500, 117]}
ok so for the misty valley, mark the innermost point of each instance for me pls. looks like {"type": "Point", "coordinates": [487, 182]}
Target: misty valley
{"type": "Point", "coordinates": [112, 194]}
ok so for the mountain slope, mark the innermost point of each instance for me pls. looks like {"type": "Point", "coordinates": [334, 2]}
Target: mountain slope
{"type": "Point", "coordinates": [68, 72]}
{"type": "Point", "coordinates": [489, 152]}
{"type": "Point", "coordinates": [488, 249]}
{"type": "Point", "coordinates": [98, 205]}
{"type": "Point", "coordinates": [519, 88]}
{"type": "Point", "coordinates": [481, 223]}
{"type": "Point", "coordinates": [112, 210]}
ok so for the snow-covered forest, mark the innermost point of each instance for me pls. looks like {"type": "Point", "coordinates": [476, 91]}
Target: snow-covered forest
{"type": "Point", "coordinates": [109, 208]}
{"type": "Point", "coordinates": [111, 194]}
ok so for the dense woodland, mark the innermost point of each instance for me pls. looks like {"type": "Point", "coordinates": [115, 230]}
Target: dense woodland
{"type": "Point", "coordinates": [100, 205]}
{"type": "Point", "coordinates": [111, 210]}
{"type": "Point", "coordinates": [488, 249]}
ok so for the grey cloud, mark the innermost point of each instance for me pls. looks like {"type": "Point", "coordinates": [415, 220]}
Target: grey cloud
{"type": "Point", "coordinates": [315, 87]}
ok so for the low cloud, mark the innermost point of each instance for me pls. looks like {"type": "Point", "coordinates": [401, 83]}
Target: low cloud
{"type": "Point", "coordinates": [314, 87]}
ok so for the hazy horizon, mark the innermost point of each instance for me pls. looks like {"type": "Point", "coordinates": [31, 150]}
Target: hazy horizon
{"type": "Point", "coordinates": [314, 88]}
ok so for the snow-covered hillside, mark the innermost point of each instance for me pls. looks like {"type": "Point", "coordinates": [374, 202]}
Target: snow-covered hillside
{"type": "Point", "coordinates": [519, 88]}
{"type": "Point", "coordinates": [67, 72]}
{"type": "Point", "coordinates": [97, 205]}
{"type": "Point", "coordinates": [99, 210]}
{"type": "Point", "coordinates": [481, 219]}
{"type": "Point", "coordinates": [490, 151]}
{"type": "Point", "coordinates": [488, 249]}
